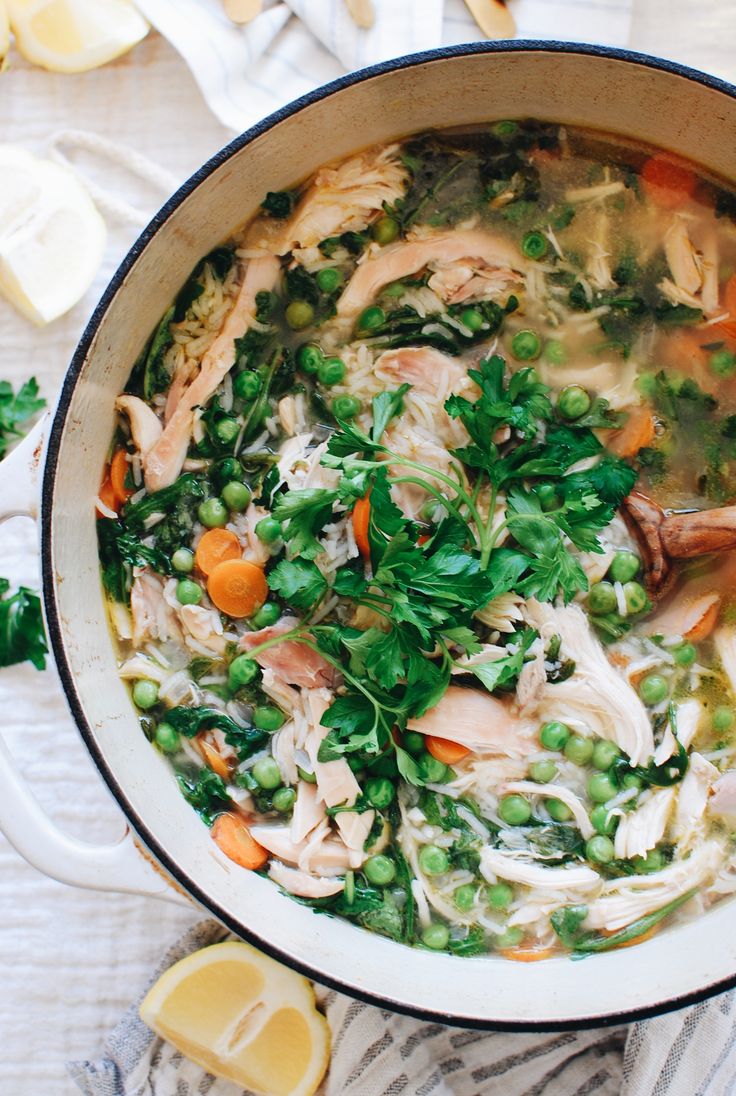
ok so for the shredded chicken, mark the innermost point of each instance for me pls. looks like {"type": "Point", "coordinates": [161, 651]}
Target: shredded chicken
{"type": "Point", "coordinates": [145, 425]}
{"type": "Point", "coordinates": [477, 720]}
{"type": "Point", "coordinates": [640, 830]}
{"type": "Point", "coordinates": [509, 865]}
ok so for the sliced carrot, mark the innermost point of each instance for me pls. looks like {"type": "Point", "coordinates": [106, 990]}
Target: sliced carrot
{"type": "Point", "coordinates": [667, 181]}
{"type": "Point", "coordinates": [636, 433]}
{"type": "Point", "coordinates": [212, 758]}
{"type": "Point", "coordinates": [215, 546]}
{"type": "Point", "coordinates": [703, 627]}
{"type": "Point", "coordinates": [237, 587]}
{"type": "Point", "coordinates": [361, 517]}
{"type": "Point", "coordinates": [727, 329]}
{"type": "Point", "coordinates": [107, 495]}
{"type": "Point", "coordinates": [527, 955]}
{"type": "Point", "coordinates": [233, 837]}
{"type": "Point", "coordinates": [729, 297]}
{"type": "Point", "coordinates": [444, 750]}
{"type": "Point", "coordinates": [118, 472]}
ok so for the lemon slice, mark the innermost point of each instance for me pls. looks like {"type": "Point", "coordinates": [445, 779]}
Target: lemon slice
{"type": "Point", "coordinates": [51, 236]}
{"type": "Point", "coordinates": [74, 35]}
{"type": "Point", "coordinates": [4, 31]}
{"type": "Point", "coordinates": [243, 1017]}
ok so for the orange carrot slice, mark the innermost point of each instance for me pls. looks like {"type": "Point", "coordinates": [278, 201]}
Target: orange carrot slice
{"type": "Point", "coordinates": [237, 587]}
{"type": "Point", "coordinates": [361, 517]}
{"type": "Point", "coordinates": [667, 181]}
{"type": "Point", "coordinates": [212, 758]}
{"type": "Point", "coordinates": [107, 495]}
{"type": "Point", "coordinates": [444, 750]}
{"type": "Point", "coordinates": [729, 296]}
{"type": "Point", "coordinates": [233, 837]}
{"type": "Point", "coordinates": [118, 472]}
{"type": "Point", "coordinates": [636, 433]}
{"type": "Point", "coordinates": [215, 546]}
{"type": "Point", "coordinates": [527, 955]}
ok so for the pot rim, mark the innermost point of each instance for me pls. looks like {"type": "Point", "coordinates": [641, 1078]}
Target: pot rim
{"type": "Point", "coordinates": [53, 444]}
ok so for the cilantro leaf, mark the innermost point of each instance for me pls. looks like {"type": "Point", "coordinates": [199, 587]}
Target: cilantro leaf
{"type": "Point", "coordinates": [299, 582]}
{"type": "Point", "coordinates": [22, 635]}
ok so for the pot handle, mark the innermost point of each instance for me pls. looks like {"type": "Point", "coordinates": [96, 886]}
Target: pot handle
{"type": "Point", "coordinates": [124, 866]}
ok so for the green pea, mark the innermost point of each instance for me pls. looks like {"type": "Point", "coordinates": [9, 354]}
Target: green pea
{"type": "Point", "coordinates": [307, 777]}
{"type": "Point", "coordinates": [436, 936]}
{"type": "Point", "coordinates": [514, 810]}
{"type": "Point", "coordinates": [599, 849]}
{"type": "Point", "coordinates": [632, 780]}
{"type": "Point", "coordinates": [534, 245]}
{"type": "Point", "coordinates": [511, 938]}
{"type": "Point", "coordinates": [624, 566]}
{"type": "Point", "coordinates": [227, 430]}
{"type": "Point", "coordinates": [329, 279]}
{"type": "Point", "coordinates": [267, 718]}
{"type": "Point", "coordinates": [213, 513]}
{"type": "Point", "coordinates": [636, 597]}
{"type": "Point", "coordinates": [557, 810]}
{"type": "Point", "coordinates": [505, 128]}
{"type": "Point", "coordinates": [236, 495]}
{"type": "Point", "coordinates": [188, 592]}
{"type": "Point", "coordinates": [283, 800]}
{"type": "Point", "coordinates": [395, 289]}
{"type": "Point", "coordinates": [722, 363]}
{"type": "Point", "coordinates": [384, 230]}
{"type": "Point", "coordinates": [355, 763]}
{"type": "Point", "coordinates": [435, 771]}
{"type": "Point", "coordinates": [601, 787]}
{"type": "Point", "coordinates": [653, 689]}
{"type": "Point", "coordinates": [572, 402]}
{"type": "Point", "coordinates": [604, 754]}
{"type": "Point", "coordinates": [413, 742]}
{"type": "Point", "coordinates": [543, 771]}
{"type": "Point", "coordinates": [554, 352]}
{"type": "Point", "coordinates": [145, 693]}
{"type": "Point", "coordinates": [499, 896]}
{"type": "Point", "coordinates": [331, 371]}
{"type": "Point", "coordinates": [246, 385]}
{"type": "Point", "coordinates": [229, 468]}
{"type": "Point", "coordinates": [553, 736]}
{"type": "Point", "coordinates": [472, 319]}
{"type": "Point", "coordinates": [602, 599]}
{"type": "Point", "coordinates": [433, 860]}
{"type": "Point", "coordinates": [183, 561]}
{"type": "Point", "coordinates": [268, 530]}
{"type": "Point", "coordinates": [242, 671]}
{"type": "Point", "coordinates": [579, 750]}
{"type": "Point", "coordinates": [685, 655]}
{"type": "Point", "coordinates": [526, 345]}
{"type": "Point", "coordinates": [167, 738]}
{"type": "Point", "coordinates": [309, 358]}
{"type": "Point", "coordinates": [267, 615]}
{"type": "Point", "coordinates": [380, 792]}
{"type": "Point", "coordinates": [298, 315]}
{"type": "Point", "coordinates": [371, 318]}
{"type": "Point", "coordinates": [380, 869]}
{"type": "Point", "coordinates": [267, 773]}
{"type": "Point", "coordinates": [723, 718]}
{"type": "Point", "coordinates": [653, 861]}
{"type": "Point", "coordinates": [345, 407]}
{"type": "Point", "coordinates": [464, 897]}
{"type": "Point", "coordinates": [603, 821]}
{"type": "Point", "coordinates": [548, 498]}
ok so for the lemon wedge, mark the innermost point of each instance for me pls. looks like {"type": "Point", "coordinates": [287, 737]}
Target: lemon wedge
{"type": "Point", "coordinates": [51, 236]}
{"type": "Point", "coordinates": [243, 1017]}
{"type": "Point", "coordinates": [4, 31]}
{"type": "Point", "coordinates": [74, 35]}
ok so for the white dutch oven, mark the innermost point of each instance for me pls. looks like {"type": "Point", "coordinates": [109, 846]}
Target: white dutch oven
{"type": "Point", "coordinates": [620, 92]}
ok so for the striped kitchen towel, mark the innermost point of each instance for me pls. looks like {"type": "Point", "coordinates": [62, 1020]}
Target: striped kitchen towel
{"type": "Point", "coordinates": [293, 46]}
{"type": "Point", "coordinates": [379, 1053]}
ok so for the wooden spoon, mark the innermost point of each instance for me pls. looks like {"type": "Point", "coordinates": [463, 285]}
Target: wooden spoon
{"type": "Point", "coordinates": [242, 11]}
{"type": "Point", "coordinates": [493, 18]}
{"type": "Point", "coordinates": [362, 12]}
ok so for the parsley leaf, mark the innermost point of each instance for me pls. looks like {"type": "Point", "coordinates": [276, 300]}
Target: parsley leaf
{"type": "Point", "coordinates": [503, 673]}
{"type": "Point", "coordinates": [22, 635]}
{"type": "Point", "coordinates": [306, 513]}
{"type": "Point", "coordinates": [16, 409]}
{"type": "Point", "coordinates": [299, 582]}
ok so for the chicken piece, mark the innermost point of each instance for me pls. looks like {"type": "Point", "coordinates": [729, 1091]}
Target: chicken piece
{"type": "Point", "coordinates": [309, 811]}
{"type": "Point", "coordinates": [595, 696]}
{"type": "Point", "coordinates": [509, 865]}
{"type": "Point", "coordinates": [630, 897]}
{"type": "Point", "coordinates": [554, 791]}
{"type": "Point", "coordinates": [328, 855]}
{"type": "Point", "coordinates": [689, 617]}
{"type": "Point", "coordinates": [291, 660]}
{"type": "Point", "coordinates": [182, 377]}
{"type": "Point", "coordinates": [461, 281]}
{"type": "Point", "coordinates": [291, 411]}
{"type": "Point", "coordinates": [336, 783]}
{"type": "Point", "coordinates": [399, 260]}
{"type": "Point", "coordinates": [724, 639]}
{"type": "Point", "coordinates": [302, 884]}
{"type": "Point", "coordinates": [722, 803]}
{"type": "Point", "coordinates": [163, 462]}
{"type": "Point", "coordinates": [692, 800]}
{"type": "Point", "coordinates": [204, 625]}
{"type": "Point", "coordinates": [479, 721]}
{"type": "Point", "coordinates": [687, 718]}
{"type": "Point", "coordinates": [283, 748]}
{"type": "Point", "coordinates": [145, 426]}
{"type": "Point", "coordinates": [427, 370]}
{"type": "Point", "coordinates": [244, 527]}
{"type": "Point", "coordinates": [344, 198]}
{"type": "Point", "coordinates": [642, 829]}
{"type": "Point", "coordinates": [142, 666]}
{"type": "Point", "coordinates": [681, 256]}
{"type": "Point", "coordinates": [152, 617]}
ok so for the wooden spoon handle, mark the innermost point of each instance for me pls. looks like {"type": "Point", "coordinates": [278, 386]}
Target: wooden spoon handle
{"type": "Point", "coordinates": [493, 18]}
{"type": "Point", "coordinates": [362, 12]}
{"type": "Point", "coordinates": [687, 535]}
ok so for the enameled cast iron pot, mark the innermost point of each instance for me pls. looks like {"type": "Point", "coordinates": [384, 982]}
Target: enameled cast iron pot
{"type": "Point", "coordinates": [623, 93]}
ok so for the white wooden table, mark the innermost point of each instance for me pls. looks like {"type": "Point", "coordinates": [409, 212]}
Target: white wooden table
{"type": "Point", "coordinates": [71, 961]}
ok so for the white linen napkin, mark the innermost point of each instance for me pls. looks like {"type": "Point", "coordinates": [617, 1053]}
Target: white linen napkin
{"type": "Point", "coordinates": [293, 46]}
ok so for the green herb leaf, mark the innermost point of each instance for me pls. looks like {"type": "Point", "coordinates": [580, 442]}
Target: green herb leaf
{"type": "Point", "coordinates": [299, 582]}
{"type": "Point", "coordinates": [22, 635]}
